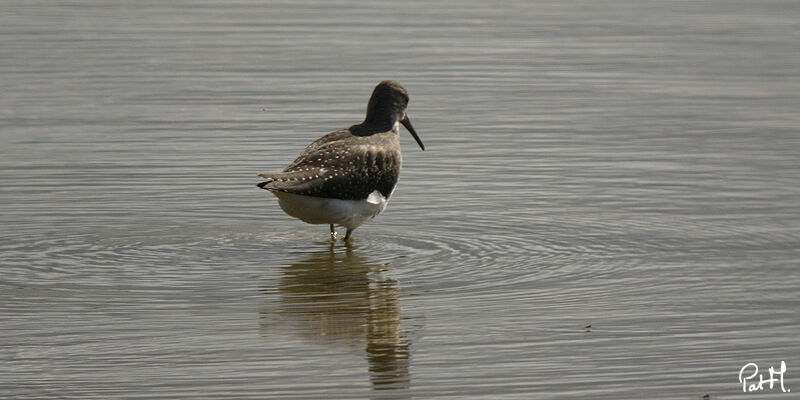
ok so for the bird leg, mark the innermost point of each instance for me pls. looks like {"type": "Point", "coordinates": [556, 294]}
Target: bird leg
{"type": "Point", "coordinates": [333, 233]}
{"type": "Point", "coordinates": [347, 237]}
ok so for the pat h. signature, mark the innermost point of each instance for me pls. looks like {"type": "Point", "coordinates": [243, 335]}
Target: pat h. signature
{"type": "Point", "coordinates": [749, 373]}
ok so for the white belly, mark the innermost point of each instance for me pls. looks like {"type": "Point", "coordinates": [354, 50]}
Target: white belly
{"type": "Point", "coordinates": [319, 210]}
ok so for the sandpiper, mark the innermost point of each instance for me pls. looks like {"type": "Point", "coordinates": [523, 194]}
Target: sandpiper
{"type": "Point", "coordinates": [346, 177]}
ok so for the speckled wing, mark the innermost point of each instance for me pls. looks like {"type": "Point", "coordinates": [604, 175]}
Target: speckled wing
{"type": "Point", "coordinates": [341, 166]}
{"type": "Point", "coordinates": [315, 146]}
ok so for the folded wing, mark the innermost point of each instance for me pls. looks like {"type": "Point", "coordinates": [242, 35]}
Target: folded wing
{"type": "Point", "coordinates": [340, 168]}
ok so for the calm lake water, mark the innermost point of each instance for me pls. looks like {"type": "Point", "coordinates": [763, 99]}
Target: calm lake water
{"type": "Point", "coordinates": [608, 206]}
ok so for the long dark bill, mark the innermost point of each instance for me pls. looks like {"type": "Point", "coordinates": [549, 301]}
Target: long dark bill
{"type": "Point", "coordinates": [410, 128]}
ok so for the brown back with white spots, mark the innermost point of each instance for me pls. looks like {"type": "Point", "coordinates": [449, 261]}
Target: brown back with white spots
{"type": "Point", "coordinates": [342, 166]}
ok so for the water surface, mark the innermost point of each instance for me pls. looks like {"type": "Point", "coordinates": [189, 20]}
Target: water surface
{"type": "Point", "coordinates": [608, 206]}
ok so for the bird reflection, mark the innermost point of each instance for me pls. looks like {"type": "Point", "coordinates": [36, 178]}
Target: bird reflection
{"type": "Point", "coordinates": [339, 297]}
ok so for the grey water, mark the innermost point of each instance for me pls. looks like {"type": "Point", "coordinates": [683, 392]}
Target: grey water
{"type": "Point", "coordinates": [608, 206]}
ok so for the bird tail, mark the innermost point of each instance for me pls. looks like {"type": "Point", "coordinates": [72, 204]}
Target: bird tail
{"type": "Point", "coordinates": [269, 179]}
{"type": "Point", "coordinates": [297, 182]}
{"type": "Point", "coordinates": [262, 184]}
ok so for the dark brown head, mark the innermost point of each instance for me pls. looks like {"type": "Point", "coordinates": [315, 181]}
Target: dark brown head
{"type": "Point", "coordinates": [386, 107]}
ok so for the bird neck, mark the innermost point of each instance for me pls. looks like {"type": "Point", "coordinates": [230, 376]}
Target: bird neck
{"type": "Point", "coordinates": [375, 124]}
